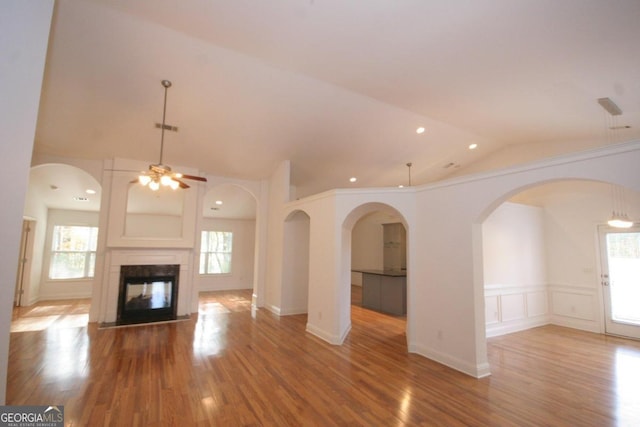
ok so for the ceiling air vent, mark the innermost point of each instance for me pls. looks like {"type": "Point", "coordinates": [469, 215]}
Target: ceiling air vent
{"type": "Point", "coordinates": [167, 127]}
{"type": "Point", "coordinates": [610, 106]}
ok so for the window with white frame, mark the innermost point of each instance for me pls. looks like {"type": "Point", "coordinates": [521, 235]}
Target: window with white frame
{"type": "Point", "coordinates": [215, 252]}
{"type": "Point", "coordinates": [73, 252]}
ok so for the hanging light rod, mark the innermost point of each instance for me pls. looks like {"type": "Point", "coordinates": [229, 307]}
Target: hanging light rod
{"type": "Point", "coordinates": [160, 174]}
{"type": "Point", "coordinates": [619, 218]}
{"type": "Point", "coordinates": [610, 106]}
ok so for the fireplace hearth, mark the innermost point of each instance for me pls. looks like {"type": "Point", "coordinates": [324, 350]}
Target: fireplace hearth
{"type": "Point", "coordinates": [148, 293]}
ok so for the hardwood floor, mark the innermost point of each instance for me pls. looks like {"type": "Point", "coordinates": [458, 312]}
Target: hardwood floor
{"type": "Point", "coordinates": [227, 367]}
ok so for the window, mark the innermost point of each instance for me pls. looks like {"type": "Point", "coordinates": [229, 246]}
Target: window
{"type": "Point", "coordinates": [215, 252]}
{"type": "Point", "coordinates": [73, 252]}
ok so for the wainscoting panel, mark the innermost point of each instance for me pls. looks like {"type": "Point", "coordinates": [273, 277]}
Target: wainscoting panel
{"type": "Point", "coordinates": [492, 310]}
{"type": "Point", "coordinates": [576, 307]}
{"type": "Point", "coordinates": [511, 308]}
{"type": "Point", "coordinates": [570, 304]}
{"type": "Point", "coordinates": [537, 304]}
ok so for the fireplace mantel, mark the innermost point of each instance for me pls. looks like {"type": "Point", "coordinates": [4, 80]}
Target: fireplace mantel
{"type": "Point", "coordinates": [116, 258]}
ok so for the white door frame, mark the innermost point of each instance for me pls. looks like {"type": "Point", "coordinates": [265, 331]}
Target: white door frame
{"type": "Point", "coordinates": [23, 273]}
{"type": "Point", "coordinates": [609, 326]}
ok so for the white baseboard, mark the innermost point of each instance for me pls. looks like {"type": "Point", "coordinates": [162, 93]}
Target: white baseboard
{"type": "Point", "coordinates": [477, 371]}
{"type": "Point", "coordinates": [294, 311]}
{"type": "Point", "coordinates": [272, 308]}
{"type": "Point", "coordinates": [223, 287]}
{"type": "Point", "coordinates": [326, 336]}
{"type": "Point", "coordinates": [495, 330]}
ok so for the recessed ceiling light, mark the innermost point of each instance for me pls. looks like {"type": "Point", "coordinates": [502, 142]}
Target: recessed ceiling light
{"type": "Point", "coordinates": [90, 191]}
{"type": "Point", "coordinates": [420, 130]}
{"type": "Point", "coordinates": [353, 179]}
{"type": "Point", "coordinates": [218, 202]}
{"type": "Point", "coordinates": [400, 186]}
{"type": "Point", "coordinates": [473, 146]}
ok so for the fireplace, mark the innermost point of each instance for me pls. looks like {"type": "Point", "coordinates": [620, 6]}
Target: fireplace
{"type": "Point", "coordinates": [148, 293]}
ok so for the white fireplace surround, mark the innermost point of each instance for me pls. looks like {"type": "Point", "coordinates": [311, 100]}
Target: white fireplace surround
{"type": "Point", "coordinates": [115, 258]}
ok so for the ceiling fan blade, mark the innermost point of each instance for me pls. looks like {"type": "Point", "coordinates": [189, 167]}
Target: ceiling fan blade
{"type": "Point", "coordinates": [123, 170]}
{"type": "Point", "coordinates": [182, 184]}
{"type": "Point", "coordinates": [195, 178]}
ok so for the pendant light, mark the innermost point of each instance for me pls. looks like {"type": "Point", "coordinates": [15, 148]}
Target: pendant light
{"type": "Point", "coordinates": [619, 218]}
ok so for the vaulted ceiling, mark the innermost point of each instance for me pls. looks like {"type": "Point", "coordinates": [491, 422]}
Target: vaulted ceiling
{"type": "Point", "coordinates": [338, 87]}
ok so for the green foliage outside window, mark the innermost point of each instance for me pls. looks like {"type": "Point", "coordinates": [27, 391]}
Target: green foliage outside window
{"type": "Point", "coordinates": [215, 252]}
{"type": "Point", "coordinates": [73, 252]}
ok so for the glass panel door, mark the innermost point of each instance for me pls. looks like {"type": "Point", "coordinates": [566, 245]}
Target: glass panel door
{"type": "Point", "coordinates": [620, 249]}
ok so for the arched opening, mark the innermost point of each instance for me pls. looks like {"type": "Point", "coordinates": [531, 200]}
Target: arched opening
{"type": "Point", "coordinates": [227, 240]}
{"type": "Point", "coordinates": [61, 233]}
{"type": "Point", "coordinates": [375, 245]}
{"type": "Point", "coordinates": [226, 268]}
{"type": "Point", "coordinates": [541, 256]}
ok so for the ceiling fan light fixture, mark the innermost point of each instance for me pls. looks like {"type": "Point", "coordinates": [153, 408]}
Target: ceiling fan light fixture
{"type": "Point", "coordinates": [160, 174]}
{"type": "Point", "coordinates": [144, 179]}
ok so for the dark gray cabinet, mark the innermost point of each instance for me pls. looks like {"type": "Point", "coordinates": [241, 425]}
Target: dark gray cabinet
{"type": "Point", "coordinates": [385, 292]}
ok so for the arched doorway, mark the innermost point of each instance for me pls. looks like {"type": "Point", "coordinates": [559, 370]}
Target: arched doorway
{"type": "Point", "coordinates": [60, 195]}
{"type": "Point", "coordinates": [541, 257]}
{"type": "Point", "coordinates": [227, 239]}
{"type": "Point", "coordinates": [374, 243]}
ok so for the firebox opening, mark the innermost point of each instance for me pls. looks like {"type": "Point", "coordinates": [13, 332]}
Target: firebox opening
{"type": "Point", "coordinates": [147, 294]}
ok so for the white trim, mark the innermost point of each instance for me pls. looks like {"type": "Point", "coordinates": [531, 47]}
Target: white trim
{"type": "Point", "coordinates": [272, 308]}
{"type": "Point", "coordinates": [478, 371]}
{"type": "Point", "coordinates": [328, 337]}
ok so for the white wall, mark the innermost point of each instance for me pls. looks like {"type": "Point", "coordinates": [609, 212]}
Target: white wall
{"type": "Point", "coordinates": [515, 278]}
{"type": "Point", "coordinates": [279, 194]}
{"type": "Point", "coordinates": [25, 32]}
{"type": "Point", "coordinates": [242, 257]}
{"type": "Point", "coordinates": [295, 274]}
{"type": "Point", "coordinates": [36, 210]}
{"type": "Point", "coordinates": [367, 242]}
{"type": "Point", "coordinates": [154, 226]}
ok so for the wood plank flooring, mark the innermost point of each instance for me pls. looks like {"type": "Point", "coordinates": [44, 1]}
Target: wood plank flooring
{"type": "Point", "coordinates": [227, 367]}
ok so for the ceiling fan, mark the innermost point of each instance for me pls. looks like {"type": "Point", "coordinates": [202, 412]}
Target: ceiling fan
{"type": "Point", "coordinates": [160, 174]}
